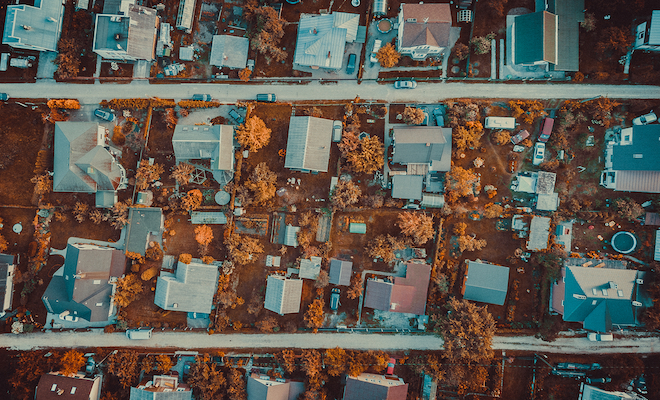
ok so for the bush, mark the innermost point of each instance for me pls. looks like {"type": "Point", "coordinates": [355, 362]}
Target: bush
{"type": "Point", "coordinates": [480, 45]}
{"type": "Point", "coordinates": [198, 104]}
{"type": "Point", "coordinates": [185, 258]}
{"type": "Point", "coordinates": [461, 51]}
{"type": "Point", "coordinates": [118, 136]}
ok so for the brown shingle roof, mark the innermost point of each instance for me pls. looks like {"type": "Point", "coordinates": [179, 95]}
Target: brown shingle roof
{"type": "Point", "coordinates": [51, 384]}
{"type": "Point", "coordinates": [426, 24]}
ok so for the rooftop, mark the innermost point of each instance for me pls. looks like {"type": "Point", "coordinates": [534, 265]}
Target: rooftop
{"type": "Point", "coordinates": [487, 283]}
{"type": "Point", "coordinates": [229, 51]}
{"type": "Point", "coordinates": [308, 144]}
{"type": "Point", "coordinates": [35, 27]}
{"type": "Point", "coordinates": [426, 24]}
{"type": "Point", "coordinates": [191, 288]}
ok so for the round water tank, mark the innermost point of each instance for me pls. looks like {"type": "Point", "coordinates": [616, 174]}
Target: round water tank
{"type": "Point", "coordinates": [222, 197]}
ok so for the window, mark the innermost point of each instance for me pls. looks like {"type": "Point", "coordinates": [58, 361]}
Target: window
{"type": "Point", "coordinates": [97, 281]}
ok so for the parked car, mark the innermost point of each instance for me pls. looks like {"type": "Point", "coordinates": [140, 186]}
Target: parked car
{"type": "Point", "coordinates": [645, 119]}
{"type": "Point", "coordinates": [350, 65]}
{"type": "Point", "coordinates": [578, 367]}
{"type": "Point", "coordinates": [236, 116]}
{"type": "Point", "coordinates": [546, 129]}
{"type": "Point", "coordinates": [604, 379]}
{"type": "Point", "coordinates": [390, 366]}
{"type": "Point", "coordinates": [139, 333]}
{"type": "Point", "coordinates": [337, 128]}
{"type": "Point", "coordinates": [539, 153]}
{"type": "Point", "coordinates": [4, 97]}
{"type": "Point", "coordinates": [202, 97]}
{"type": "Point", "coordinates": [103, 114]}
{"type": "Point", "coordinates": [640, 385]}
{"type": "Point", "coordinates": [334, 299]}
{"type": "Point", "coordinates": [600, 337]}
{"type": "Point", "coordinates": [407, 84]}
{"type": "Point", "coordinates": [374, 51]}
{"type": "Point", "coordinates": [267, 98]}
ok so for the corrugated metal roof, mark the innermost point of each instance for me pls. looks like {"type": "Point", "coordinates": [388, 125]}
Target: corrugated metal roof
{"type": "Point", "coordinates": [569, 14]}
{"type": "Point", "coordinates": [291, 235]}
{"type": "Point", "coordinates": [208, 217]}
{"type": "Point", "coordinates": [654, 30]}
{"type": "Point", "coordinates": [283, 295]}
{"type": "Point", "coordinates": [433, 200]}
{"type": "Point", "coordinates": [539, 230]}
{"type": "Point", "coordinates": [44, 20]}
{"type": "Point", "coordinates": [308, 144]}
{"type": "Point", "coordinates": [340, 272]}
{"type": "Point", "coordinates": [356, 227]}
{"type": "Point", "coordinates": [191, 289]}
{"type": "Point", "coordinates": [407, 187]}
{"type": "Point", "coordinates": [375, 387]}
{"type": "Point", "coordinates": [638, 181]}
{"type": "Point", "coordinates": [310, 268]}
{"type": "Point", "coordinates": [487, 283]}
{"type": "Point", "coordinates": [322, 39]}
{"type": "Point", "coordinates": [142, 32]}
{"type": "Point", "coordinates": [229, 51]}
{"type": "Point", "coordinates": [656, 254]}
{"type": "Point", "coordinates": [422, 144]}
{"type": "Point", "coordinates": [216, 142]}
{"type": "Point", "coordinates": [186, 13]}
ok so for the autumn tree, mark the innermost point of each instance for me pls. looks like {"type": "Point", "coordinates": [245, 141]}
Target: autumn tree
{"type": "Point", "coordinates": [470, 243]}
{"type": "Point", "coordinates": [344, 194]}
{"type": "Point", "coordinates": [461, 51]}
{"type": "Point", "coordinates": [501, 137]}
{"type": "Point", "coordinates": [418, 226]}
{"type": "Point", "coordinates": [262, 182]}
{"type": "Point", "coordinates": [203, 236]}
{"type": "Point", "coordinates": [267, 325]}
{"type": "Point", "coordinates": [68, 58]}
{"type": "Point", "coordinates": [244, 74]}
{"type": "Point", "coordinates": [192, 200]}
{"type": "Point", "coordinates": [387, 56]}
{"type": "Point", "coordinates": [468, 136]}
{"type": "Point", "coordinates": [314, 316]}
{"type": "Point", "coordinates": [335, 361]}
{"type": "Point", "coordinates": [72, 362]}
{"type": "Point", "coordinates": [124, 365]}
{"type": "Point", "coordinates": [527, 110]}
{"type": "Point", "coordinates": [383, 246]}
{"type": "Point", "coordinates": [3, 244]}
{"type": "Point", "coordinates": [481, 44]}
{"type": "Point", "coordinates": [493, 210]}
{"type": "Point", "coordinates": [253, 133]}
{"type": "Point", "coordinates": [27, 371]}
{"type": "Point", "coordinates": [206, 379]}
{"type": "Point", "coordinates": [614, 41]}
{"type": "Point", "coordinates": [628, 208]}
{"type": "Point", "coordinates": [236, 386]}
{"type": "Point", "coordinates": [128, 289]}
{"type": "Point", "coordinates": [287, 360]}
{"type": "Point", "coordinates": [266, 31]}
{"type": "Point", "coordinates": [181, 173]}
{"type": "Point", "coordinates": [42, 184]}
{"type": "Point", "coordinates": [146, 174]}
{"type": "Point", "coordinates": [367, 154]}
{"type": "Point", "coordinates": [413, 115]}
{"type": "Point", "coordinates": [311, 363]}
{"type": "Point", "coordinates": [323, 280]}
{"type": "Point", "coordinates": [241, 249]}
{"type": "Point", "coordinates": [461, 182]}
{"type": "Point", "coordinates": [467, 331]}
{"type": "Point", "coordinates": [355, 290]}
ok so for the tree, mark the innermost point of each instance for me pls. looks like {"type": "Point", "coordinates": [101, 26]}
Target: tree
{"type": "Point", "coordinates": [147, 174]}
{"type": "Point", "coordinates": [461, 182]}
{"type": "Point", "coordinates": [266, 31]}
{"type": "Point", "coordinates": [241, 249]}
{"type": "Point", "coordinates": [154, 252]}
{"type": "Point", "coordinates": [493, 210]}
{"type": "Point", "coordinates": [267, 325]}
{"type": "Point", "coordinates": [314, 316]}
{"type": "Point", "coordinates": [461, 51]}
{"type": "Point", "coordinates": [481, 44]}
{"type": "Point", "coordinates": [181, 173]}
{"type": "Point", "coordinates": [287, 360]}
{"type": "Point", "coordinates": [42, 184]}
{"type": "Point", "coordinates": [253, 133]}
{"type": "Point", "coordinates": [383, 247]}
{"type": "Point", "coordinates": [311, 363]}
{"type": "Point", "coordinates": [72, 362]}
{"type": "Point", "coordinates": [262, 182]}
{"type": "Point", "coordinates": [345, 193]}
{"type": "Point", "coordinates": [244, 74]}
{"type": "Point", "coordinates": [358, 362]}
{"type": "Point", "coordinates": [335, 361]}
{"type": "Point", "coordinates": [355, 290]}
{"type": "Point", "coordinates": [467, 332]}
{"type": "Point", "coordinates": [185, 258]}
{"type": "Point", "coordinates": [128, 289]}
{"type": "Point", "coordinates": [628, 208]}
{"type": "Point", "coordinates": [413, 115]}
{"type": "Point", "coordinates": [470, 243]}
{"type": "Point", "coordinates": [68, 58]}
{"type": "Point", "coordinates": [3, 244]}
{"type": "Point", "coordinates": [203, 236]}
{"type": "Point", "coordinates": [323, 280]}
{"type": "Point", "coordinates": [418, 226]}
{"type": "Point", "coordinates": [205, 379]}
{"type": "Point", "coordinates": [367, 157]}
{"type": "Point", "coordinates": [124, 365]}
{"type": "Point", "coordinates": [529, 110]}
{"type": "Point", "coordinates": [237, 388]}
{"type": "Point", "coordinates": [589, 23]}
{"type": "Point", "coordinates": [192, 200]}
{"type": "Point", "coordinates": [614, 40]}
{"type": "Point", "coordinates": [387, 56]}
{"type": "Point", "coordinates": [468, 135]}
{"type": "Point", "coordinates": [501, 137]}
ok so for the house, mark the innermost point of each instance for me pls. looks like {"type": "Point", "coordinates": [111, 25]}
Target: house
{"type": "Point", "coordinates": [283, 294]}
{"type": "Point", "coordinates": [424, 30]}
{"type": "Point", "coordinates": [7, 267]}
{"type": "Point", "coordinates": [322, 39]}
{"type": "Point", "coordinates": [263, 387]}
{"type": "Point", "coordinates": [53, 386]}
{"type": "Point", "coordinates": [631, 161]}
{"type": "Point", "coordinates": [540, 182]}
{"type": "Point", "coordinates": [549, 36]}
{"type": "Point", "coordinates": [84, 287]}
{"type": "Point", "coordinates": [310, 268]}
{"type": "Point", "coordinates": [647, 34]}
{"type": "Point", "coordinates": [35, 27]}
{"type": "Point", "coordinates": [215, 143]}
{"type": "Point", "coordinates": [599, 296]}
{"type": "Point", "coordinates": [588, 392]}
{"type": "Point", "coordinates": [308, 144]}
{"type": "Point", "coordinates": [145, 225]}
{"type": "Point", "coordinates": [161, 387]}
{"type": "Point", "coordinates": [129, 35]}
{"type": "Point", "coordinates": [487, 283]}
{"type": "Point", "coordinates": [83, 162]}
{"type": "Point", "coordinates": [190, 288]}
{"type": "Point", "coordinates": [229, 51]}
{"type": "Point", "coordinates": [539, 233]}
{"type": "Point", "coordinates": [185, 16]}
{"type": "Point", "coordinates": [375, 387]}
{"type": "Point", "coordinates": [564, 234]}
{"type": "Point", "coordinates": [340, 272]}
{"type": "Point", "coordinates": [405, 295]}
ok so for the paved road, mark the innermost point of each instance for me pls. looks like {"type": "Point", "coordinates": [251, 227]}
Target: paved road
{"type": "Point", "coordinates": [320, 340]}
{"type": "Point", "coordinates": [425, 92]}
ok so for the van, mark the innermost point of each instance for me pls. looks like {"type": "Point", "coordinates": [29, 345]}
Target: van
{"type": "Point", "coordinates": [500, 123]}
{"type": "Point", "coordinates": [139, 334]}
{"type": "Point", "coordinates": [546, 130]}
{"type": "Point", "coordinates": [267, 98]}
{"type": "Point", "coordinates": [600, 337]}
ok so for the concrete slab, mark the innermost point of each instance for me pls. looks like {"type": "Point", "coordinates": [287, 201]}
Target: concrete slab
{"type": "Point", "coordinates": [46, 68]}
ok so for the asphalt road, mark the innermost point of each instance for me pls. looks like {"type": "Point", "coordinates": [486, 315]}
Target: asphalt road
{"type": "Point", "coordinates": [191, 340]}
{"type": "Point", "coordinates": [425, 92]}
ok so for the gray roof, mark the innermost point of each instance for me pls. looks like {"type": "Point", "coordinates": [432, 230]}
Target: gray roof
{"type": "Point", "coordinates": [134, 33]}
{"type": "Point", "coordinates": [654, 30]}
{"type": "Point", "coordinates": [322, 39]}
{"type": "Point", "coordinates": [594, 393]}
{"type": "Point", "coordinates": [535, 38]}
{"type": "Point", "coordinates": [81, 162]}
{"type": "Point", "coordinates": [547, 202]}
{"type": "Point", "coordinates": [340, 272]}
{"type": "Point", "coordinates": [564, 234]}
{"type": "Point", "coordinates": [201, 142]}
{"type": "Point", "coordinates": [423, 144]}
{"type": "Point", "coordinates": [190, 288]}
{"type": "Point", "coordinates": [161, 387]}
{"type": "Point", "coordinates": [539, 231]}
{"type": "Point", "coordinates": [262, 387]}
{"type": "Point", "coordinates": [308, 144]}
{"type": "Point", "coordinates": [145, 224]}
{"type": "Point", "coordinates": [486, 283]}
{"type": "Point", "coordinates": [407, 187]}
{"type": "Point", "coordinates": [111, 6]}
{"type": "Point", "coordinates": [291, 236]}
{"type": "Point", "coordinates": [591, 298]}
{"type": "Point", "coordinates": [310, 268]}
{"type": "Point", "coordinates": [375, 387]}
{"type": "Point", "coordinates": [283, 295]}
{"type": "Point", "coordinates": [642, 154]}
{"type": "Point", "coordinates": [569, 15]}
{"type": "Point", "coordinates": [44, 21]}
{"type": "Point", "coordinates": [229, 51]}
{"type": "Point", "coordinates": [208, 217]}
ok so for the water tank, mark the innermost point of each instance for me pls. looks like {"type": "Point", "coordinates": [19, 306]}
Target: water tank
{"type": "Point", "coordinates": [380, 7]}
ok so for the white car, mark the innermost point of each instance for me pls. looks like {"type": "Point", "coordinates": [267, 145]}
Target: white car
{"type": "Point", "coordinates": [337, 128]}
{"type": "Point", "coordinates": [405, 84]}
{"type": "Point", "coordinates": [377, 44]}
{"type": "Point", "coordinates": [645, 119]}
{"type": "Point", "coordinates": [539, 153]}
{"type": "Point", "coordinates": [600, 337]}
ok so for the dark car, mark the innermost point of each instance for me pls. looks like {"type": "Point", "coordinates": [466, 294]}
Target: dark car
{"type": "Point", "coordinates": [4, 97]}
{"type": "Point", "coordinates": [103, 114]}
{"type": "Point", "coordinates": [202, 97]}
{"type": "Point", "coordinates": [267, 98]}
{"type": "Point", "coordinates": [236, 116]}
{"type": "Point", "coordinates": [350, 66]}
{"type": "Point", "coordinates": [334, 299]}
{"type": "Point", "coordinates": [601, 379]}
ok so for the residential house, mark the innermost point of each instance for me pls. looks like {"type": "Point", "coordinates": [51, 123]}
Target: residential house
{"type": "Point", "coordinates": [161, 387]}
{"type": "Point", "coordinates": [229, 51]}
{"type": "Point", "coordinates": [631, 160]}
{"type": "Point", "coordinates": [145, 225]}
{"type": "Point", "coordinates": [322, 39]}
{"type": "Point", "coordinates": [424, 30]}
{"type": "Point", "coordinates": [588, 392]}
{"type": "Point", "coordinates": [310, 268]}
{"type": "Point", "coordinates": [308, 144]}
{"type": "Point", "coordinates": [84, 162]}
{"type": "Point", "coordinates": [53, 386]}
{"type": "Point", "coordinates": [375, 387]}
{"type": "Point", "coordinates": [186, 15]}
{"type": "Point", "coordinates": [35, 27]}
{"type": "Point", "coordinates": [549, 36]}
{"type": "Point", "coordinates": [601, 297]}
{"type": "Point", "coordinates": [404, 295]}
{"type": "Point", "coordinates": [190, 288]}
{"type": "Point", "coordinates": [263, 387]}
{"type": "Point", "coordinates": [215, 143]}
{"type": "Point", "coordinates": [283, 294]}
{"type": "Point", "coordinates": [487, 283]}
{"type": "Point", "coordinates": [647, 34]}
{"type": "Point", "coordinates": [84, 287]}
{"type": "Point", "coordinates": [539, 233]}
{"type": "Point", "coordinates": [7, 267]}
{"type": "Point", "coordinates": [340, 272]}
{"type": "Point", "coordinates": [129, 35]}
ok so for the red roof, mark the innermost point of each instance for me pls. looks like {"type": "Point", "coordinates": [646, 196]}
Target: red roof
{"type": "Point", "coordinates": [406, 295]}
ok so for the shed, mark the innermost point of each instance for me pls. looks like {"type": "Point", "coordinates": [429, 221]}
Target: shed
{"type": "Point", "coordinates": [357, 227]}
{"type": "Point", "coordinates": [487, 283]}
{"type": "Point", "coordinates": [407, 187]}
{"type": "Point", "coordinates": [291, 235]}
{"type": "Point", "coordinates": [208, 218]}
{"type": "Point", "coordinates": [539, 231]}
{"type": "Point", "coordinates": [310, 268]}
{"type": "Point", "coordinates": [547, 202]}
{"type": "Point", "coordinates": [340, 272]}
{"type": "Point", "coordinates": [564, 234]}
{"type": "Point", "coordinates": [283, 294]}
{"type": "Point", "coordinates": [380, 7]}
{"type": "Point", "coordinates": [433, 200]}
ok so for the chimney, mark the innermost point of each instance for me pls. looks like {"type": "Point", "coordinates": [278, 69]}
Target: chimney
{"type": "Point", "coordinates": [26, 27]}
{"type": "Point", "coordinates": [328, 54]}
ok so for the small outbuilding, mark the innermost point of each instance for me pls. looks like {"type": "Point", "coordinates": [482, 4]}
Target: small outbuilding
{"type": "Point", "coordinates": [283, 294]}
{"type": "Point", "coordinates": [340, 272]}
{"type": "Point", "coordinates": [487, 283]}
{"type": "Point", "coordinates": [310, 268]}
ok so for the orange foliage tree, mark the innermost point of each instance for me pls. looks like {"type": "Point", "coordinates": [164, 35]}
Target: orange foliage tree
{"type": "Point", "coordinates": [387, 56]}
{"type": "Point", "coordinates": [314, 316]}
{"type": "Point", "coordinates": [253, 133]}
{"type": "Point", "coordinates": [203, 236]}
{"type": "Point", "coordinates": [266, 32]}
{"type": "Point", "coordinates": [262, 182]}
{"type": "Point", "coordinates": [344, 194]}
{"type": "Point", "coordinates": [335, 361]}
{"type": "Point", "coordinates": [413, 115]}
{"type": "Point", "coordinates": [192, 200]}
{"type": "Point", "coordinates": [461, 182]}
{"type": "Point", "coordinates": [72, 362]}
{"type": "Point", "coordinates": [244, 74]}
{"type": "Point", "coordinates": [468, 135]}
{"type": "Point", "coordinates": [365, 156]}
{"type": "Point", "coordinates": [418, 226]}
{"type": "Point", "coordinates": [467, 331]}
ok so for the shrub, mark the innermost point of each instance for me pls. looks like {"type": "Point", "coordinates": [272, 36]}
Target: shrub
{"type": "Point", "coordinates": [198, 104]}
{"type": "Point", "coordinates": [480, 45]}
{"type": "Point", "coordinates": [185, 258]}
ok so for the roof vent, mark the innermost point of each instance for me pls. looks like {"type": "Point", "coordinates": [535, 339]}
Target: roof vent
{"type": "Point", "coordinates": [638, 155]}
{"type": "Point", "coordinates": [636, 304]}
{"type": "Point", "coordinates": [428, 144]}
{"type": "Point", "coordinates": [60, 392]}
{"type": "Point", "coordinates": [54, 387]}
{"type": "Point", "coordinates": [51, 19]}
{"type": "Point", "coordinates": [613, 285]}
{"type": "Point", "coordinates": [175, 305]}
{"type": "Point", "coordinates": [594, 291]}
{"type": "Point", "coordinates": [313, 31]}
{"type": "Point", "coordinates": [579, 296]}
{"type": "Point", "coordinates": [117, 36]}
{"type": "Point", "coordinates": [639, 281]}
{"type": "Point", "coordinates": [280, 380]}
{"type": "Point", "coordinates": [619, 293]}
{"type": "Point", "coordinates": [73, 390]}
{"type": "Point", "coordinates": [411, 19]}
{"type": "Point", "coordinates": [26, 27]}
